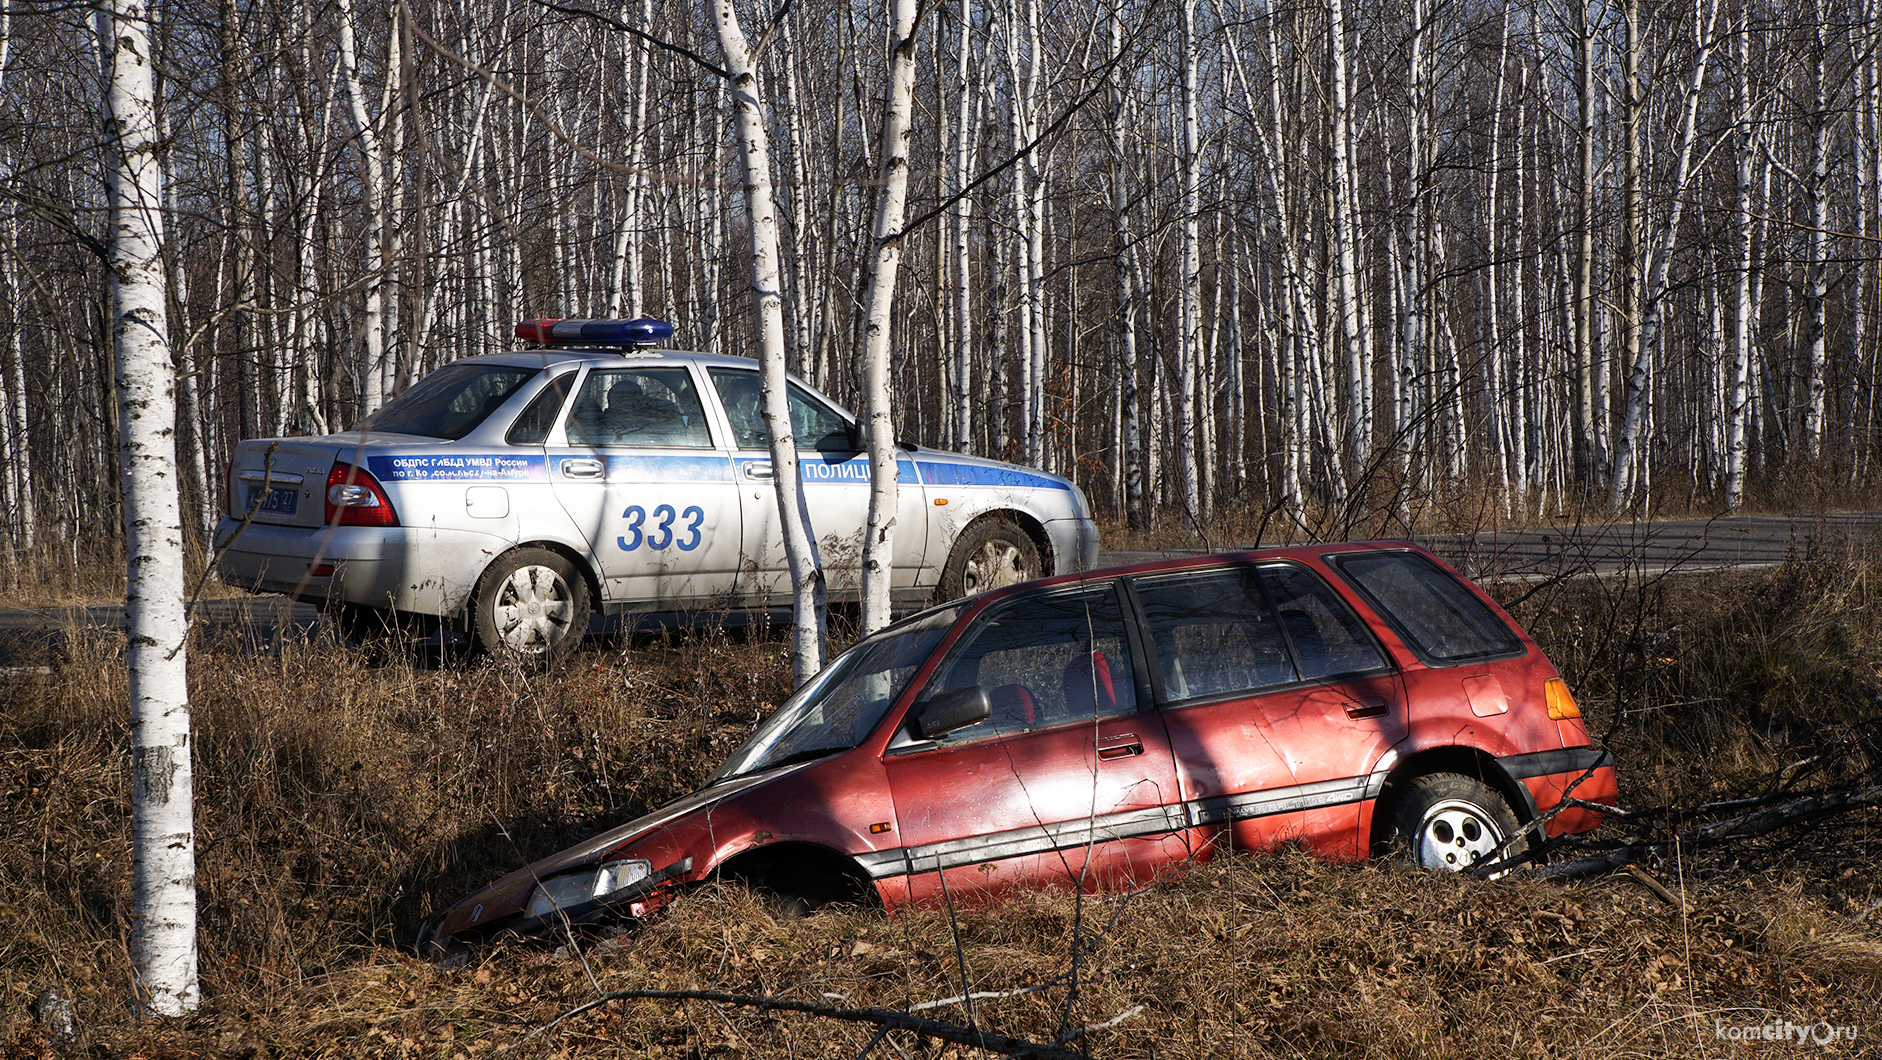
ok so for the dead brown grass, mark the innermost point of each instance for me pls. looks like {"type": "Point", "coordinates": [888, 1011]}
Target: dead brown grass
{"type": "Point", "coordinates": [342, 800]}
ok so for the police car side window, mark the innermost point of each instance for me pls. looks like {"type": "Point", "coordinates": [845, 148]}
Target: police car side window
{"type": "Point", "coordinates": [813, 424]}
{"type": "Point", "coordinates": [532, 427]}
{"type": "Point", "coordinates": [739, 393]}
{"type": "Point", "coordinates": [816, 425]}
{"type": "Point", "coordinates": [638, 407]}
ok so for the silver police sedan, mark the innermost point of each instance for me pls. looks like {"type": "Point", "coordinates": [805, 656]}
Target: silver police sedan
{"type": "Point", "coordinates": [511, 496]}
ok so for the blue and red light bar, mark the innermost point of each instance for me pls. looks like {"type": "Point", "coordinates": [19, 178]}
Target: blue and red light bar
{"type": "Point", "coordinates": [551, 331]}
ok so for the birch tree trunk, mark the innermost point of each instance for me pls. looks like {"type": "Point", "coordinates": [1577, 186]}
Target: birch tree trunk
{"type": "Point", "coordinates": [892, 198]}
{"type": "Point", "coordinates": [964, 133]}
{"type": "Point", "coordinates": [1816, 272]}
{"type": "Point", "coordinates": [372, 371]}
{"type": "Point", "coordinates": [800, 547]}
{"type": "Point", "coordinates": [1345, 238]}
{"type": "Point", "coordinates": [19, 441]}
{"type": "Point", "coordinates": [1737, 401]}
{"type": "Point", "coordinates": [1124, 270]}
{"type": "Point", "coordinates": [1189, 338]}
{"type": "Point", "coordinates": [163, 929]}
{"type": "Point", "coordinates": [1590, 454]}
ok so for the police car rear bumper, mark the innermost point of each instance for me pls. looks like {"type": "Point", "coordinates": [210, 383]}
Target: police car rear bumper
{"type": "Point", "coordinates": [418, 570]}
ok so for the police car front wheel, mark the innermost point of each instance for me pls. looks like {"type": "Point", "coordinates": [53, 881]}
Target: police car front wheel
{"type": "Point", "coordinates": [992, 554]}
{"type": "Point", "coordinates": [531, 607]}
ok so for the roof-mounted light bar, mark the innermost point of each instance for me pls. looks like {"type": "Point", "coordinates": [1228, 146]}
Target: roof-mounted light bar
{"type": "Point", "coordinates": [641, 331]}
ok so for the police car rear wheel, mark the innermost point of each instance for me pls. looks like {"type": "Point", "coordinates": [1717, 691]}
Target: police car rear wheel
{"type": "Point", "coordinates": [992, 554]}
{"type": "Point", "coordinates": [531, 607]}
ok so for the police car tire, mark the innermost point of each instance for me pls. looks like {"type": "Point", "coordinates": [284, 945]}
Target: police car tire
{"type": "Point", "coordinates": [992, 540]}
{"type": "Point", "coordinates": [548, 580]}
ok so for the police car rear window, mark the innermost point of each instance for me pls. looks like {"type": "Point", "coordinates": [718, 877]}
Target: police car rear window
{"type": "Point", "coordinates": [450, 402]}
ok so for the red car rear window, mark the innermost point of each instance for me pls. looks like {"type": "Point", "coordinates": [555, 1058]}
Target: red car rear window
{"type": "Point", "coordinates": [1437, 616]}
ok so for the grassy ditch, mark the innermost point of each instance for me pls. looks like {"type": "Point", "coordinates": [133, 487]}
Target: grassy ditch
{"type": "Point", "coordinates": [342, 799]}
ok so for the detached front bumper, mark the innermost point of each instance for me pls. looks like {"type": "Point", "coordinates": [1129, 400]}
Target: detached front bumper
{"type": "Point", "coordinates": [418, 570]}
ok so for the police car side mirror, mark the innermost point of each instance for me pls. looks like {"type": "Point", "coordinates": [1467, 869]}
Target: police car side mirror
{"type": "Point", "coordinates": [956, 708]}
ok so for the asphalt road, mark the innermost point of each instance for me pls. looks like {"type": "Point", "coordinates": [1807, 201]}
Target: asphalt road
{"type": "Point", "coordinates": [1589, 549]}
{"type": "Point", "coordinates": [265, 624]}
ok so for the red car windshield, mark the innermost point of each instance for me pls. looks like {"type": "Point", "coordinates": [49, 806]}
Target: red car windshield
{"type": "Point", "coordinates": [835, 710]}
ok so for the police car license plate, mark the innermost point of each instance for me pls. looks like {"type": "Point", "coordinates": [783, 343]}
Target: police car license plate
{"type": "Point", "coordinates": [279, 501]}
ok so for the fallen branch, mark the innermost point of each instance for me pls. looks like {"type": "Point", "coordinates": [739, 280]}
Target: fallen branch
{"type": "Point", "coordinates": [1659, 889]}
{"type": "Point", "coordinates": [886, 1019]}
{"type": "Point", "coordinates": [1766, 818]}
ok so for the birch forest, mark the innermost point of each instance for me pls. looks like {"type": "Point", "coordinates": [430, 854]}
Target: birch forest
{"type": "Point", "coordinates": [1321, 260]}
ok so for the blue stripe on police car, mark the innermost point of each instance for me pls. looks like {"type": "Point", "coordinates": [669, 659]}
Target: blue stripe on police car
{"type": "Point", "coordinates": [458, 467]}
{"type": "Point", "coordinates": [943, 473]}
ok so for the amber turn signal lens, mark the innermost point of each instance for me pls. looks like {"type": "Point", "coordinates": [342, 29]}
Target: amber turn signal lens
{"type": "Point", "coordinates": [1561, 703]}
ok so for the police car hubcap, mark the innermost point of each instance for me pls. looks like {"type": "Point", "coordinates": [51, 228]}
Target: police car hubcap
{"type": "Point", "coordinates": [997, 564]}
{"type": "Point", "coordinates": [533, 610]}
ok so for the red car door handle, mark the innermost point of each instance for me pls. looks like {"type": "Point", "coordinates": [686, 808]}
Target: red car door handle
{"type": "Point", "coordinates": [1122, 750]}
{"type": "Point", "coordinates": [1366, 708]}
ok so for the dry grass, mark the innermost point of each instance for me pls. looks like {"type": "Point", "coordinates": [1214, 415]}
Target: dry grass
{"type": "Point", "coordinates": [342, 800]}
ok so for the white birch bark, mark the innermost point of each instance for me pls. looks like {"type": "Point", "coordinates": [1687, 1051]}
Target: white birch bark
{"type": "Point", "coordinates": [1124, 269]}
{"type": "Point", "coordinates": [1738, 381]}
{"type": "Point", "coordinates": [1816, 272]}
{"type": "Point", "coordinates": [1345, 240]}
{"type": "Point", "coordinates": [371, 370]}
{"type": "Point", "coordinates": [892, 199]}
{"type": "Point", "coordinates": [163, 929]}
{"type": "Point", "coordinates": [962, 270]}
{"type": "Point", "coordinates": [19, 442]}
{"type": "Point", "coordinates": [1495, 407]}
{"type": "Point", "coordinates": [800, 547]}
{"type": "Point", "coordinates": [1590, 452]}
{"type": "Point", "coordinates": [1189, 334]}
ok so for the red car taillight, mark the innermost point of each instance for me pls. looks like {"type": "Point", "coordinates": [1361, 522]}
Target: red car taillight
{"type": "Point", "coordinates": [354, 498]}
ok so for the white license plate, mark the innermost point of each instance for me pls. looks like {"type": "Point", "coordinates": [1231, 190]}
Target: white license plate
{"type": "Point", "coordinates": [282, 500]}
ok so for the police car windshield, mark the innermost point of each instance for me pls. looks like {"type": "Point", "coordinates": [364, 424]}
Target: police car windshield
{"type": "Point", "coordinates": [838, 708]}
{"type": "Point", "coordinates": [450, 402]}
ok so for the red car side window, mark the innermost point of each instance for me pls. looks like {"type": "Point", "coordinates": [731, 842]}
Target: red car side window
{"type": "Point", "coordinates": [1044, 660]}
{"type": "Point", "coordinates": [1240, 629]}
{"type": "Point", "coordinates": [1328, 639]}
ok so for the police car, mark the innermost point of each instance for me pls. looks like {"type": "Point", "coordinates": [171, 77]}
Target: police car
{"type": "Point", "coordinates": [511, 496]}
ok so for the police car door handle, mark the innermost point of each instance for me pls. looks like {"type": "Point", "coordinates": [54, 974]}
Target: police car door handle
{"type": "Point", "coordinates": [758, 469]}
{"type": "Point", "coordinates": [581, 469]}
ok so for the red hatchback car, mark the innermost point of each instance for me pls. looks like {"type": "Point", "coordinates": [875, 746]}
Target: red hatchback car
{"type": "Point", "coordinates": [1095, 728]}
